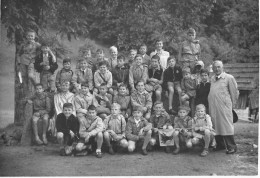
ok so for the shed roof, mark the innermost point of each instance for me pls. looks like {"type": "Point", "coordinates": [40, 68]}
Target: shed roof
{"type": "Point", "coordinates": [244, 73]}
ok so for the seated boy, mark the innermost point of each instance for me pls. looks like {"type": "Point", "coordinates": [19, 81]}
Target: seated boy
{"type": "Point", "coordinates": [83, 75]}
{"type": "Point", "coordinates": [155, 78]}
{"type": "Point", "coordinates": [182, 127]}
{"type": "Point", "coordinates": [67, 129]}
{"type": "Point", "coordinates": [202, 90]}
{"type": "Point", "coordinates": [137, 72]}
{"type": "Point", "coordinates": [63, 96]}
{"type": "Point", "coordinates": [141, 97]}
{"type": "Point", "coordinates": [120, 73]}
{"type": "Point", "coordinates": [90, 131]}
{"type": "Point", "coordinates": [103, 101]}
{"type": "Point", "coordinates": [115, 128]}
{"type": "Point", "coordinates": [82, 101]}
{"type": "Point", "coordinates": [65, 74]}
{"type": "Point", "coordinates": [138, 130]}
{"type": "Point", "coordinates": [124, 100]}
{"type": "Point", "coordinates": [159, 120]}
{"type": "Point", "coordinates": [41, 108]}
{"type": "Point", "coordinates": [172, 81]}
{"type": "Point", "coordinates": [46, 64]}
{"type": "Point", "coordinates": [103, 75]}
{"type": "Point", "coordinates": [202, 129]}
{"type": "Point", "coordinates": [188, 86]}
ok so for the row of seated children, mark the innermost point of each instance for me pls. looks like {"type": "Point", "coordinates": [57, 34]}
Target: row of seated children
{"type": "Point", "coordinates": [77, 136]}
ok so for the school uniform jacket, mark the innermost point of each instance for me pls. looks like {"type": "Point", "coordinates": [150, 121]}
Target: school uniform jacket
{"type": "Point", "coordinates": [202, 92]}
{"type": "Point", "coordinates": [115, 123]}
{"type": "Point", "coordinates": [41, 103]}
{"type": "Point", "coordinates": [91, 126]}
{"type": "Point", "coordinates": [141, 99]}
{"type": "Point", "coordinates": [136, 74]}
{"type": "Point", "coordinates": [132, 130]}
{"type": "Point", "coordinates": [100, 78]}
{"type": "Point", "coordinates": [160, 121]}
{"type": "Point", "coordinates": [85, 76]}
{"type": "Point", "coordinates": [189, 86]}
{"type": "Point", "coordinates": [120, 74]}
{"type": "Point", "coordinates": [65, 125]}
{"type": "Point", "coordinates": [172, 74]}
{"type": "Point", "coordinates": [39, 59]}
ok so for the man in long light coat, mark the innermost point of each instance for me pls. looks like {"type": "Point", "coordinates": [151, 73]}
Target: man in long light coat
{"type": "Point", "coordinates": [222, 98]}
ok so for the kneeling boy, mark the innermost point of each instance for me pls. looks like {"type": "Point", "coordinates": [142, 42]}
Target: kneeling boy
{"type": "Point", "coordinates": [91, 130]}
{"type": "Point", "coordinates": [115, 128]}
{"type": "Point", "coordinates": [67, 129]}
{"type": "Point", "coordinates": [138, 129]}
{"type": "Point", "coordinates": [159, 120]}
{"type": "Point", "coordinates": [182, 126]}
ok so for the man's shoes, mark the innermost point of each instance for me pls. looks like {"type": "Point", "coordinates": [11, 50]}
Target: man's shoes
{"type": "Point", "coordinates": [144, 152]}
{"type": "Point", "coordinates": [111, 151]}
{"type": "Point", "coordinates": [231, 151]}
{"type": "Point", "coordinates": [176, 151]}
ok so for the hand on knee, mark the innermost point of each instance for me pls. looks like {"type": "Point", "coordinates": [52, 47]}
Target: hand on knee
{"type": "Point", "coordinates": [124, 143]}
{"type": "Point", "coordinates": [152, 141]}
{"type": "Point", "coordinates": [188, 143]}
{"type": "Point", "coordinates": [79, 146]}
{"type": "Point", "coordinates": [195, 141]}
{"type": "Point", "coordinates": [131, 148]}
{"type": "Point", "coordinates": [207, 132]}
{"type": "Point", "coordinates": [176, 133]}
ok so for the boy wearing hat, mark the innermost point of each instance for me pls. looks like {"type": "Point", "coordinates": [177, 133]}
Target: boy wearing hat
{"type": "Point", "coordinates": [46, 64]}
{"type": "Point", "coordinates": [138, 130]}
{"type": "Point", "coordinates": [115, 128]}
{"type": "Point", "coordinates": [65, 74]}
{"type": "Point", "coordinates": [183, 128]}
{"type": "Point", "coordinates": [189, 51]}
{"type": "Point", "coordinates": [188, 86]}
{"type": "Point", "coordinates": [67, 129]}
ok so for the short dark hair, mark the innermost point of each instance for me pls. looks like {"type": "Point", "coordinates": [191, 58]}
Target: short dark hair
{"type": "Point", "coordinates": [67, 105]}
{"type": "Point", "coordinates": [202, 71]}
{"type": "Point", "coordinates": [171, 57]}
{"type": "Point", "coordinates": [38, 84]}
{"type": "Point", "coordinates": [102, 63]}
{"type": "Point", "coordinates": [155, 57]}
{"type": "Point", "coordinates": [121, 57]}
{"type": "Point", "coordinates": [122, 85]}
{"type": "Point", "coordinates": [143, 44]}
{"type": "Point", "coordinates": [139, 82]}
{"type": "Point", "coordinates": [30, 31]}
{"type": "Point", "coordinates": [100, 51]}
{"type": "Point", "coordinates": [85, 84]}
{"type": "Point", "coordinates": [92, 107]}
{"type": "Point", "coordinates": [66, 60]}
{"type": "Point", "coordinates": [44, 44]}
{"type": "Point", "coordinates": [103, 85]}
{"type": "Point", "coordinates": [138, 55]}
{"type": "Point", "coordinates": [158, 40]}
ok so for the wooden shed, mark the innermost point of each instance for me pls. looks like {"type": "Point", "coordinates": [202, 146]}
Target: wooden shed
{"type": "Point", "coordinates": [246, 75]}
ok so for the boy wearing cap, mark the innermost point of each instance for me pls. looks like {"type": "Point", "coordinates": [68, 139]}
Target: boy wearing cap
{"type": "Point", "coordinates": [67, 129]}
{"type": "Point", "coordinates": [138, 130]}
{"type": "Point", "coordinates": [65, 74]}
{"type": "Point", "coordinates": [188, 86]}
{"type": "Point", "coordinates": [182, 128]}
{"type": "Point", "coordinates": [141, 97]}
{"type": "Point", "coordinates": [115, 125]}
{"type": "Point", "coordinates": [83, 74]}
{"type": "Point", "coordinates": [189, 51]}
{"type": "Point", "coordinates": [82, 101]}
{"type": "Point", "coordinates": [46, 64]}
{"type": "Point", "coordinates": [90, 131]}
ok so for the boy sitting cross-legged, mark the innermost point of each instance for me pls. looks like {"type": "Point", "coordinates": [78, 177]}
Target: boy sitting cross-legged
{"type": "Point", "coordinates": [115, 128]}
{"type": "Point", "coordinates": [41, 108]}
{"type": "Point", "coordinates": [67, 129]}
{"type": "Point", "coordinates": [124, 100]}
{"type": "Point", "coordinates": [82, 101]}
{"type": "Point", "coordinates": [160, 120]}
{"type": "Point", "coordinates": [141, 97]}
{"type": "Point", "coordinates": [138, 130]}
{"type": "Point", "coordinates": [182, 126]}
{"type": "Point", "coordinates": [202, 129]}
{"type": "Point", "coordinates": [90, 130]}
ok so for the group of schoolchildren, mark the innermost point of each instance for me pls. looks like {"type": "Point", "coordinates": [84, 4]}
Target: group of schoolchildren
{"type": "Point", "coordinates": [118, 101]}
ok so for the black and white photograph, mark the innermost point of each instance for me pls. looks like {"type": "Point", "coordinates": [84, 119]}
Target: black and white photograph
{"type": "Point", "coordinates": [129, 88]}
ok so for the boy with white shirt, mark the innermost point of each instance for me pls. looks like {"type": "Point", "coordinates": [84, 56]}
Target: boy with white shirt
{"type": "Point", "coordinates": [161, 53]}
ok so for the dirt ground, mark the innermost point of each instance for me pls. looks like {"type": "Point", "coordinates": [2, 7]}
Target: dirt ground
{"type": "Point", "coordinates": [45, 161]}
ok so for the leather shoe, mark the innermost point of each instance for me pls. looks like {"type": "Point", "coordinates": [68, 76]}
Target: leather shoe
{"type": "Point", "coordinates": [231, 151]}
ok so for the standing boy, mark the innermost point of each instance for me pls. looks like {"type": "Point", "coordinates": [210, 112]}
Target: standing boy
{"type": "Point", "coordinates": [138, 130]}
{"type": "Point", "coordinates": [146, 58]}
{"type": "Point", "coordinates": [46, 64]}
{"type": "Point", "coordinates": [91, 131]}
{"type": "Point", "coordinates": [161, 53]}
{"type": "Point", "coordinates": [67, 129]}
{"type": "Point", "coordinates": [41, 108]}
